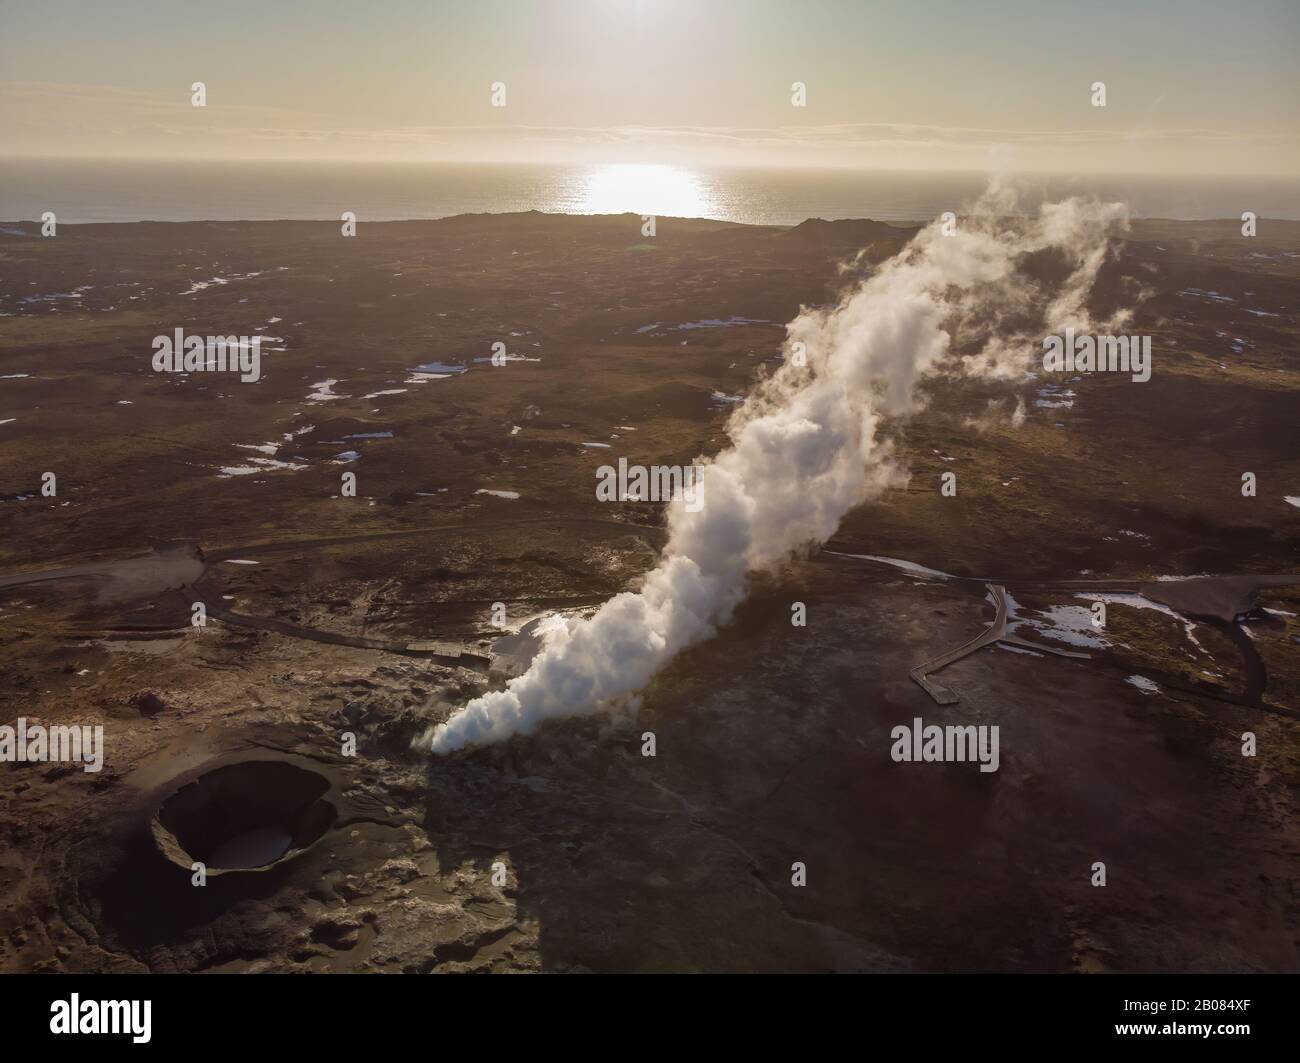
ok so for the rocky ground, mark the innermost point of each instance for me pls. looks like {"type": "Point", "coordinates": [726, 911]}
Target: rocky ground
{"type": "Point", "coordinates": [569, 849]}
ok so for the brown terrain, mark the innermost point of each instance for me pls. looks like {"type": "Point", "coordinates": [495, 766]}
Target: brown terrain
{"type": "Point", "coordinates": [371, 616]}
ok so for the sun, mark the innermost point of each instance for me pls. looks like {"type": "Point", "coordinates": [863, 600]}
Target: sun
{"type": "Point", "coordinates": [667, 191]}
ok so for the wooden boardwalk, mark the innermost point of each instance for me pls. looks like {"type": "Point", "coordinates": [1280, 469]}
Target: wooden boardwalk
{"type": "Point", "coordinates": [995, 632]}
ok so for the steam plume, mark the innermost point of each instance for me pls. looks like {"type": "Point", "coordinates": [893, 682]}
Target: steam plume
{"type": "Point", "coordinates": [806, 446]}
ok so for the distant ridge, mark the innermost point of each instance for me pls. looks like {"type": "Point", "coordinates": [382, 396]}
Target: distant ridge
{"type": "Point", "coordinates": [848, 232]}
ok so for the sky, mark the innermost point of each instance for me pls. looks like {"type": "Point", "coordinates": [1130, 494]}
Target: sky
{"type": "Point", "coordinates": [1191, 86]}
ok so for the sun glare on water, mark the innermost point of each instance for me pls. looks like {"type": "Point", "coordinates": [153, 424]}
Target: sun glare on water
{"type": "Point", "coordinates": [668, 191]}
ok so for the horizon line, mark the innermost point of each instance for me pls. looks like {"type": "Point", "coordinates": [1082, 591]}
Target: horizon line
{"type": "Point", "coordinates": [533, 163]}
{"type": "Point", "coordinates": [898, 223]}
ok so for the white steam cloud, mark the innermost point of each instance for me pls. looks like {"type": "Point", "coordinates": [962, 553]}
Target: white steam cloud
{"type": "Point", "coordinates": [806, 448]}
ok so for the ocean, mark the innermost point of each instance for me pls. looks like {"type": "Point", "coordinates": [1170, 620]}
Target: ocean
{"type": "Point", "coordinates": [145, 190]}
